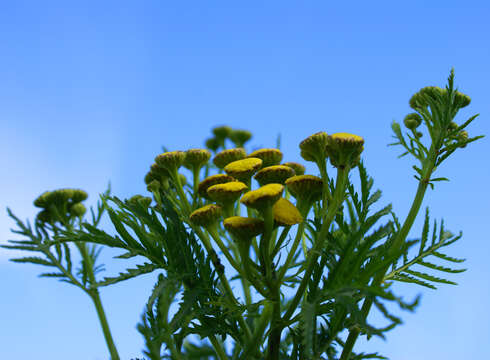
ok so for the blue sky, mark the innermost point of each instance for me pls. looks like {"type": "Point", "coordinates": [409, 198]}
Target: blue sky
{"type": "Point", "coordinates": [90, 92]}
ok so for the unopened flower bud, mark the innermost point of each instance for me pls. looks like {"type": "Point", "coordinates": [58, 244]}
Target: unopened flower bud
{"type": "Point", "coordinates": [298, 168]}
{"type": "Point", "coordinates": [153, 186]}
{"type": "Point", "coordinates": [139, 199]}
{"type": "Point", "coordinates": [462, 137]}
{"type": "Point", "coordinates": [417, 101]}
{"type": "Point", "coordinates": [418, 134]}
{"type": "Point", "coordinates": [42, 201]}
{"type": "Point", "coordinates": [213, 144]}
{"type": "Point", "coordinates": [268, 156]}
{"type": "Point", "coordinates": [196, 158]}
{"type": "Point", "coordinates": [204, 185]}
{"type": "Point", "coordinates": [452, 126]}
{"type": "Point", "coordinates": [240, 137]}
{"type": "Point", "coordinates": [412, 121]}
{"type": "Point", "coordinates": [244, 228]}
{"type": "Point", "coordinates": [461, 100]}
{"type": "Point", "coordinates": [226, 193]}
{"type": "Point", "coordinates": [206, 215]}
{"type": "Point", "coordinates": [77, 209]}
{"type": "Point", "coordinates": [305, 187]}
{"type": "Point", "coordinates": [313, 147]}
{"type": "Point", "coordinates": [263, 197]}
{"type": "Point", "coordinates": [285, 213]}
{"type": "Point", "coordinates": [243, 169]}
{"type": "Point", "coordinates": [225, 157]}
{"type": "Point", "coordinates": [222, 132]}
{"type": "Point", "coordinates": [344, 149]}
{"type": "Point", "coordinates": [276, 174]}
{"type": "Point", "coordinates": [171, 161]}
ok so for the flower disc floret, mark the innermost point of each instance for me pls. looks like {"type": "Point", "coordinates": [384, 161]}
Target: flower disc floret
{"type": "Point", "coordinates": [226, 193]}
{"type": "Point", "coordinates": [344, 149]}
{"type": "Point", "coordinates": [263, 197]}
{"type": "Point", "coordinates": [313, 147]}
{"type": "Point", "coordinates": [285, 213]}
{"type": "Point", "coordinates": [297, 167]}
{"type": "Point", "coordinates": [171, 161]}
{"type": "Point", "coordinates": [269, 156]}
{"type": "Point", "coordinates": [196, 158]}
{"type": "Point", "coordinates": [203, 186]}
{"type": "Point", "coordinates": [244, 228]}
{"type": "Point", "coordinates": [206, 215]}
{"type": "Point", "coordinates": [305, 187]}
{"type": "Point", "coordinates": [243, 169]}
{"type": "Point", "coordinates": [225, 157]}
{"type": "Point", "coordinates": [275, 174]}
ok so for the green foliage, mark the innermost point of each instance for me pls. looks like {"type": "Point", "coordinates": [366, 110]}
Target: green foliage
{"type": "Point", "coordinates": [344, 258]}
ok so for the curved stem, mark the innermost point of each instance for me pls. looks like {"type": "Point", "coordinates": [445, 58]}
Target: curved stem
{"type": "Point", "coordinates": [399, 240]}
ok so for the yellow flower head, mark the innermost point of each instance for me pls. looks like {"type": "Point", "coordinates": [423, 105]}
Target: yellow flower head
{"type": "Point", "coordinates": [305, 187]}
{"type": "Point", "coordinates": [285, 213]}
{"type": "Point", "coordinates": [263, 197]}
{"type": "Point", "coordinates": [202, 189]}
{"type": "Point", "coordinates": [171, 161]}
{"type": "Point", "coordinates": [344, 149]}
{"type": "Point", "coordinates": [225, 157]}
{"type": "Point", "coordinates": [269, 156]}
{"type": "Point", "coordinates": [196, 158]}
{"type": "Point", "coordinates": [206, 215]}
{"type": "Point", "coordinates": [244, 228]}
{"type": "Point", "coordinates": [313, 147]}
{"type": "Point", "coordinates": [276, 174]}
{"type": "Point", "coordinates": [298, 168]}
{"type": "Point", "coordinates": [243, 169]}
{"type": "Point", "coordinates": [226, 193]}
{"type": "Point", "coordinates": [240, 137]}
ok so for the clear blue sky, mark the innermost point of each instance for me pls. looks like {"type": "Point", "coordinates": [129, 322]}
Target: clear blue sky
{"type": "Point", "coordinates": [90, 91]}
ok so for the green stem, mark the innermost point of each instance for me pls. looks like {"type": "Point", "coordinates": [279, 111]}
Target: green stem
{"type": "Point", "coordinates": [219, 349]}
{"type": "Point", "coordinates": [314, 253]}
{"type": "Point", "coordinates": [95, 296]}
{"type": "Point", "coordinates": [292, 252]}
{"type": "Point", "coordinates": [276, 328]}
{"type": "Point", "coordinates": [258, 332]}
{"type": "Point", "coordinates": [397, 243]}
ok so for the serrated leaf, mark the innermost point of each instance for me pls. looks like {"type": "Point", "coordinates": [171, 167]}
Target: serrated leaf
{"type": "Point", "coordinates": [429, 277]}
{"type": "Point", "coordinates": [58, 275]}
{"type": "Point", "coordinates": [448, 258]}
{"type": "Point", "coordinates": [409, 279]}
{"type": "Point", "coordinates": [33, 260]}
{"type": "Point", "coordinates": [128, 274]}
{"type": "Point", "coordinates": [439, 267]}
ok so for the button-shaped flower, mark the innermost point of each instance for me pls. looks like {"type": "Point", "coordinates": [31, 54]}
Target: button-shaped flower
{"type": "Point", "coordinates": [225, 157]}
{"type": "Point", "coordinates": [313, 147]}
{"type": "Point", "coordinates": [285, 213]}
{"type": "Point", "coordinates": [268, 156]}
{"type": "Point", "coordinates": [297, 167]}
{"type": "Point", "coordinates": [344, 149]}
{"type": "Point", "coordinates": [171, 161]}
{"type": "Point", "coordinates": [263, 197]}
{"type": "Point", "coordinates": [226, 193]}
{"type": "Point", "coordinates": [243, 169]}
{"type": "Point", "coordinates": [202, 189]}
{"type": "Point", "coordinates": [307, 188]}
{"type": "Point", "coordinates": [244, 228]}
{"type": "Point", "coordinates": [275, 174]}
{"type": "Point", "coordinates": [206, 216]}
{"type": "Point", "coordinates": [196, 158]}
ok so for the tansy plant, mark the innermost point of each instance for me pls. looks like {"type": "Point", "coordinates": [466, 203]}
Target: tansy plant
{"type": "Point", "coordinates": [256, 259]}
